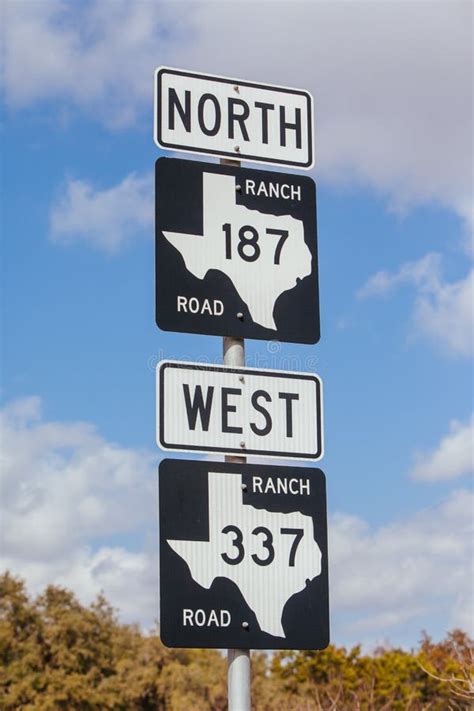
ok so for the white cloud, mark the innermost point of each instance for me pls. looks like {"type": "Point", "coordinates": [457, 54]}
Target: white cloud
{"type": "Point", "coordinates": [106, 219]}
{"type": "Point", "coordinates": [453, 457]}
{"type": "Point", "coordinates": [392, 81]}
{"type": "Point", "coordinates": [424, 274]}
{"type": "Point", "coordinates": [400, 572]}
{"type": "Point", "coordinates": [66, 494]}
{"type": "Point", "coordinates": [443, 312]}
{"type": "Point", "coordinates": [100, 56]}
{"type": "Point", "coordinates": [128, 579]}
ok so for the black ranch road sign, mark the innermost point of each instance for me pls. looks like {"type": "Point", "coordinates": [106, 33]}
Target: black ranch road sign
{"type": "Point", "coordinates": [231, 118]}
{"type": "Point", "coordinates": [243, 556]}
{"type": "Point", "coordinates": [236, 252]}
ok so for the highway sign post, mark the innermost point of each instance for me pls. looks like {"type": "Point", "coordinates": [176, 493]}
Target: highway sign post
{"type": "Point", "coordinates": [211, 408]}
{"type": "Point", "coordinates": [243, 551]}
{"type": "Point", "coordinates": [238, 660]}
{"type": "Point", "coordinates": [236, 252]}
{"type": "Point", "coordinates": [231, 118]}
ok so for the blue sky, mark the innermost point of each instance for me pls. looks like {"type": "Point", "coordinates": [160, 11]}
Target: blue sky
{"type": "Point", "coordinates": [79, 342]}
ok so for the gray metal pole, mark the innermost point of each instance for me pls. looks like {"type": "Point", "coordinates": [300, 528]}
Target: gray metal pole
{"type": "Point", "coordinates": [238, 660]}
{"type": "Point", "coordinates": [238, 679]}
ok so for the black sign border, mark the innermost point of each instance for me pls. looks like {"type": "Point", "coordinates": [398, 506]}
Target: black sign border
{"type": "Point", "coordinates": [227, 154]}
{"type": "Point", "coordinates": [163, 365]}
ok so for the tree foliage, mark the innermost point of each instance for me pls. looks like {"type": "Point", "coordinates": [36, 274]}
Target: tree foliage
{"type": "Point", "coordinates": [58, 654]}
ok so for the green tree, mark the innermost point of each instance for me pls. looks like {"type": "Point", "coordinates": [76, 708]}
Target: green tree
{"type": "Point", "coordinates": [436, 677]}
{"type": "Point", "coordinates": [57, 654]}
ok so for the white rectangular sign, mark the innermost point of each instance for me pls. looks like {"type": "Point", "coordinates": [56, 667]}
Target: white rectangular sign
{"type": "Point", "coordinates": [209, 408]}
{"type": "Point", "coordinates": [233, 118]}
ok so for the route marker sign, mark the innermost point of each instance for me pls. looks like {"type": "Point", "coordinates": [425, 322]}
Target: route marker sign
{"type": "Point", "coordinates": [230, 118]}
{"type": "Point", "coordinates": [212, 408]}
{"type": "Point", "coordinates": [243, 556]}
{"type": "Point", "coordinates": [236, 252]}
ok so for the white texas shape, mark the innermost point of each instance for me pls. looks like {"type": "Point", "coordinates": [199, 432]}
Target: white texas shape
{"type": "Point", "coordinates": [266, 588]}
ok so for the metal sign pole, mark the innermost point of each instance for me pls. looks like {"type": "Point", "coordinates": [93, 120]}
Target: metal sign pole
{"type": "Point", "coordinates": [238, 660]}
{"type": "Point", "coordinates": [238, 679]}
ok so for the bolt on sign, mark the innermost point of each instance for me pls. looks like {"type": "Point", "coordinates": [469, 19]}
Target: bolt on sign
{"type": "Point", "coordinates": [210, 408]}
{"type": "Point", "coordinates": [243, 556]}
{"type": "Point", "coordinates": [231, 118]}
{"type": "Point", "coordinates": [236, 252]}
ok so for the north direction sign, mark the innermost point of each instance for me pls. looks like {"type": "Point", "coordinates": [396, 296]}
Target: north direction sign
{"type": "Point", "coordinates": [211, 408]}
{"type": "Point", "coordinates": [243, 556]}
{"type": "Point", "coordinates": [236, 252]}
{"type": "Point", "coordinates": [232, 118]}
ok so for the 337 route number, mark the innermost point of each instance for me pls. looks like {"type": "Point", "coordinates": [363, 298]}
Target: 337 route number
{"type": "Point", "coordinates": [248, 248]}
{"type": "Point", "coordinates": [266, 543]}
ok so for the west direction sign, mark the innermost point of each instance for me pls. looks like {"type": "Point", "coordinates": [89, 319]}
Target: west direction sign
{"type": "Point", "coordinates": [243, 556]}
{"type": "Point", "coordinates": [231, 118]}
{"type": "Point", "coordinates": [210, 408]}
{"type": "Point", "coordinates": [236, 252]}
